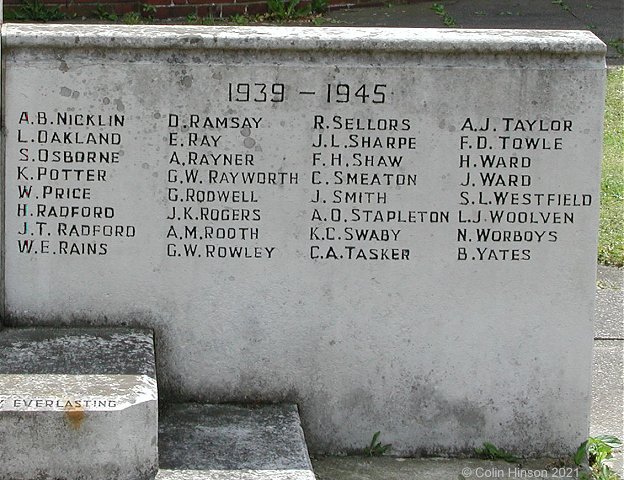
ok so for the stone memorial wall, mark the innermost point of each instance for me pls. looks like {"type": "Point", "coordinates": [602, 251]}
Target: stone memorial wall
{"type": "Point", "coordinates": [395, 229]}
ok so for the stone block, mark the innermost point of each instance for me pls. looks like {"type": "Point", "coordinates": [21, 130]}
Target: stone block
{"type": "Point", "coordinates": [77, 404]}
{"type": "Point", "coordinates": [228, 442]}
{"type": "Point", "coordinates": [394, 229]}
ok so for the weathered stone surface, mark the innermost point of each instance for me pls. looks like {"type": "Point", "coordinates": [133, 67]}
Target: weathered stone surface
{"type": "Point", "coordinates": [610, 304]}
{"type": "Point", "coordinates": [608, 392]}
{"type": "Point", "coordinates": [77, 404]}
{"type": "Point", "coordinates": [226, 442]}
{"type": "Point", "coordinates": [394, 229]}
{"type": "Point", "coordinates": [366, 468]}
{"type": "Point", "coordinates": [77, 351]}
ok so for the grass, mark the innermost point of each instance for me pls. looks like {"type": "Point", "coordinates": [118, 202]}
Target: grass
{"type": "Point", "coordinates": [491, 452]}
{"type": "Point", "coordinates": [35, 10]}
{"type": "Point", "coordinates": [376, 448]}
{"type": "Point", "coordinates": [611, 238]}
{"type": "Point", "coordinates": [440, 10]}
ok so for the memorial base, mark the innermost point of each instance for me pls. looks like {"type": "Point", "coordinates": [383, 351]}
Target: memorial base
{"type": "Point", "coordinates": [226, 442]}
{"type": "Point", "coordinates": [77, 404]}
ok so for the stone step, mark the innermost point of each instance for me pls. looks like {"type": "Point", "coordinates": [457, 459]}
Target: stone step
{"type": "Point", "coordinates": [78, 404]}
{"type": "Point", "coordinates": [226, 442]}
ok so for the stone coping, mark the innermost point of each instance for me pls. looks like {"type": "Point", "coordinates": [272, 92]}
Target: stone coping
{"type": "Point", "coordinates": [77, 351]}
{"type": "Point", "coordinates": [407, 40]}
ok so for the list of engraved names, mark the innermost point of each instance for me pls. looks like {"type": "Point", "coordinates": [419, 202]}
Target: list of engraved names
{"type": "Point", "coordinates": [359, 175]}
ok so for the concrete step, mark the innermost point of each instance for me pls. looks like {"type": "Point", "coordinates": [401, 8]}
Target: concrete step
{"type": "Point", "coordinates": [226, 442]}
{"type": "Point", "coordinates": [77, 404]}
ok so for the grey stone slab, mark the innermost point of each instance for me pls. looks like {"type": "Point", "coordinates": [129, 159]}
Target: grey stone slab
{"type": "Point", "coordinates": [77, 351]}
{"type": "Point", "coordinates": [235, 475]}
{"type": "Point", "coordinates": [220, 156]}
{"type": "Point", "coordinates": [215, 442]}
{"type": "Point", "coordinates": [385, 468]}
{"type": "Point", "coordinates": [607, 413]}
{"type": "Point", "coordinates": [610, 278]}
{"type": "Point", "coordinates": [77, 404]}
{"type": "Point", "coordinates": [609, 303]}
{"type": "Point", "coordinates": [609, 315]}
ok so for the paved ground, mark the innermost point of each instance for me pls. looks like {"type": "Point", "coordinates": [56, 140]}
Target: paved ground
{"type": "Point", "coordinates": [607, 415]}
{"type": "Point", "coordinates": [603, 17]}
{"type": "Point", "coordinates": [354, 468]}
{"type": "Point", "coordinates": [608, 378]}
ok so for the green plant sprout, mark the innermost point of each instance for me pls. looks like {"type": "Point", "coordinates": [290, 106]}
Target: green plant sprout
{"type": "Point", "coordinates": [491, 452]}
{"type": "Point", "coordinates": [376, 448]}
{"type": "Point", "coordinates": [440, 10]}
{"type": "Point", "coordinates": [593, 454]}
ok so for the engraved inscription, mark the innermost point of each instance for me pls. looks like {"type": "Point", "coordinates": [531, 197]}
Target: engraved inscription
{"type": "Point", "coordinates": [356, 189]}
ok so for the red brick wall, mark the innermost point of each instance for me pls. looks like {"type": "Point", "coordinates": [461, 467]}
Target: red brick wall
{"type": "Point", "coordinates": [175, 8]}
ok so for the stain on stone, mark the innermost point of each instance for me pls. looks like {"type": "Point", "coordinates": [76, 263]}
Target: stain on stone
{"type": "Point", "coordinates": [63, 67]}
{"type": "Point", "coordinates": [75, 416]}
{"type": "Point", "coordinates": [187, 81]}
{"type": "Point", "coordinates": [249, 142]}
{"type": "Point", "coordinates": [106, 100]}
{"type": "Point", "coordinates": [245, 132]}
{"type": "Point", "coordinates": [75, 94]}
{"type": "Point", "coordinates": [66, 92]}
{"type": "Point", "coordinates": [432, 408]}
{"type": "Point", "coordinates": [120, 105]}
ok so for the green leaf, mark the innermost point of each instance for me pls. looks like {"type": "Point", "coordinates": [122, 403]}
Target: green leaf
{"type": "Point", "coordinates": [610, 440]}
{"type": "Point", "coordinates": [581, 453]}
